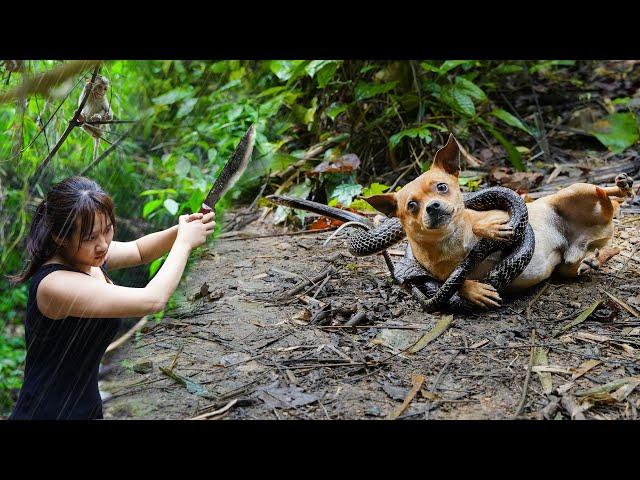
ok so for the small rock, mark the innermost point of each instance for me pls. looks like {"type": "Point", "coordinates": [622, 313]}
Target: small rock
{"type": "Point", "coordinates": [233, 358]}
{"type": "Point", "coordinates": [634, 300]}
{"type": "Point", "coordinates": [396, 393]}
{"type": "Point", "coordinates": [143, 367]}
{"type": "Point", "coordinates": [374, 411]}
{"type": "Point", "coordinates": [575, 304]}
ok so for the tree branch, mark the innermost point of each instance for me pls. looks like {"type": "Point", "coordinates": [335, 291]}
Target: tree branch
{"type": "Point", "coordinates": [72, 123]}
{"type": "Point", "coordinates": [45, 82]}
{"type": "Point", "coordinates": [105, 153]}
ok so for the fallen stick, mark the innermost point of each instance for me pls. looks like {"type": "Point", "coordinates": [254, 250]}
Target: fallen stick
{"type": "Point", "coordinates": [416, 381]}
{"type": "Point", "coordinates": [216, 412]}
{"type": "Point", "coordinates": [143, 321]}
{"type": "Point", "coordinates": [437, 380]}
{"type": "Point", "coordinates": [356, 319]}
{"type": "Point", "coordinates": [525, 388]}
{"type": "Point", "coordinates": [292, 291]}
{"type": "Point", "coordinates": [290, 234]}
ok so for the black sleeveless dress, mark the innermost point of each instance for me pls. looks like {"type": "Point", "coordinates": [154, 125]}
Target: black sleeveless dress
{"type": "Point", "coordinates": [63, 357]}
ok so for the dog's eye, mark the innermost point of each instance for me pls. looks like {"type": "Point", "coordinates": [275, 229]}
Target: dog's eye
{"type": "Point", "coordinates": [412, 206]}
{"type": "Point", "coordinates": [442, 187]}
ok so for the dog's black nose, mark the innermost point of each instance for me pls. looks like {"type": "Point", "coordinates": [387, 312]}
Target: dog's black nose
{"type": "Point", "coordinates": [433, 207]}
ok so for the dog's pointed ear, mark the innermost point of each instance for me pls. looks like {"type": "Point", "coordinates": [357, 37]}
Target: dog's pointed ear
{"type": "Point", "coordinates": [385, 203]}
{"type": "Point", "coordinates": [448, 157]}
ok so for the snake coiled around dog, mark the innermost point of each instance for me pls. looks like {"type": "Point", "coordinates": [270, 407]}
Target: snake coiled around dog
{"type": "Point", "coordinates": [369, 240]}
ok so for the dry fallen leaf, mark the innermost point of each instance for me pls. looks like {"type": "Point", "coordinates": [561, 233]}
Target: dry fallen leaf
{"type": "Point", "coordinates": [432, 334]}
{"type": "Point", "coordinates": [564, 388]}
{"type": "Point", "coordinates": [584, 368]}
{"type": "Point", "coordinates": [615, 308]}
{"type": "Point", "coordinates": [416, 382]}
{"type": "Point", "coordinates": [519, 181]}
{"type": "Point", "coordinates": [479, 344]}
{"type": "Point", "coordinates": [540, 360]}
{"type": "Point", "coordinates": [596, 392]}
{"type": "Point", "coordinates": [302, 317]}
{"type": "Point", "coordinates": [428, 395]}
{"type": "Point", "coordinates": [323, 223]}
{"type": "Point", "coordinates": [624, 391]}
{"type": "Point", "coordinates": [591, 336]}
{"type": "Point", "coordinates": [550, 369]}
{"type": "Point", "coordinates": [344, 163]}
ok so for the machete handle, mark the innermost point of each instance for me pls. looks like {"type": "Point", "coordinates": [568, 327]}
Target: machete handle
{"type": "Point", "coordinates": [204, 209]}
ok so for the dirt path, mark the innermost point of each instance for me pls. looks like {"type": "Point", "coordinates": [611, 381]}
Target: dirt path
{"type": "Point", "coordinates": [281, 360]}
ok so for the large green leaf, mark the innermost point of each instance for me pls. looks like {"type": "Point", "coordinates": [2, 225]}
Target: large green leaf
{"type": "Point", "coordinates": [368, 90]}
{"type": "Point", "coordinates": [186, 107]}
{"type": "Point", "coordinates": [286, 69]}
{"type": "Point", "coordinates": [509, 119]}
{"type": "Point", "coordinates": [374, 189]}
{"type": "Point", "coordinates": [171, 205]}
{"type": "Point", "coordinates": [182, 167]}
{"type": "Point", "coordinates": [421, 132]}
{"type": "Point", "coordinates": [458, 99]}
{"type": "Point", "coordinates": [326, 73]}
{"type": "Point", "coordinates": [317, 65]}
{"type": "Point", "coordinates": [514, 155]}
{"type": "Point", "coordinates": [172, 97]}
{"type": "Point", "coordinates": [445, 67]}
{"type": "Point", "coordinates": [548, 64]}
{"type": "Point", "coordinates": [507, 68]}
{"type": "Point", "coordinates": [617, 132]}
{"type": "Point", "coordinates": [150, 207]}
{"type": "Point", "coordinates": [343, 194]}
{"type": "Point", "coordinates": [471, 89]}
{"type": "Point", "coordinates": [336, 109]}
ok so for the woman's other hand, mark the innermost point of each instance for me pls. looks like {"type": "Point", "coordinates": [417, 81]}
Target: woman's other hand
{"type": "Point", "coordinates": [193, 229]}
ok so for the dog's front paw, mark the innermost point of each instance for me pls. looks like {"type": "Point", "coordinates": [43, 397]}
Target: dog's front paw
{"type": "Point", "coordinates": [480, 294]}
{"type": "Point", "coordinates": [625, 183]}
{"type": "Point", "coordinates": [494, 230]}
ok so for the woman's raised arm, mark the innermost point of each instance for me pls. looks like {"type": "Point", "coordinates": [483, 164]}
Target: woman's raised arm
{"type": "Point", "coordinates": [64, 293]}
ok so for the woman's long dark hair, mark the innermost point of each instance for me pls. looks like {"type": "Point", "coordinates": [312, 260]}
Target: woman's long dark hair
{"type": "Point", "coordinates": [73, 198]}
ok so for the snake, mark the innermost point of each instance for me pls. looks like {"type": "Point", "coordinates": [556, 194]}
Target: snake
{"type": "Point", "coordinates": [368, 239]}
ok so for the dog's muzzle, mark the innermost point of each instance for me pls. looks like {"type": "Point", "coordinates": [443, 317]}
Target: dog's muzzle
{"type": "Point", "coordinates": [436, 214]}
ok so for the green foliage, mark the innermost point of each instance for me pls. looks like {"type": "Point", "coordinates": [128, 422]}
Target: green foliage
{"type": "Point", "coordinates": [343, 194]}
{"type": "Point", "coordinates": [12, 348]}
{"type": "Point", "coordinates": [617, 132]}
{"type": "Point", "coordinates": [509, 119]}
{"type": "Point", "coordinates": [417, 132]}
{"type": "Point", "coordinates": [12, 355]}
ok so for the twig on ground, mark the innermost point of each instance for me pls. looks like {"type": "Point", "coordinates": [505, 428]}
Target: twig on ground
{"type": "Point", "coordinates": [525, 387]}
{"type": "Point", "coordinates": [216, 412]}
{"type": "Point", "coordinates": [138, 326]}
{"type": "Point", "coordinates": [437, 380]}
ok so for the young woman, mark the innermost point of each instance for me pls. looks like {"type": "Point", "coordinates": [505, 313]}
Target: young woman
{"type": "Point", "coordinates": [74, 309]}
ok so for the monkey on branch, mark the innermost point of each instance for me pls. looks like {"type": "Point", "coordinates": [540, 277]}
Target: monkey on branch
{"type": "Point", "coordinates": [96, 109]}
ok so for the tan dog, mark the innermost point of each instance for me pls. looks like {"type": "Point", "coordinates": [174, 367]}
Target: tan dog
{"type": "Point", "coordinates": [441, 231]}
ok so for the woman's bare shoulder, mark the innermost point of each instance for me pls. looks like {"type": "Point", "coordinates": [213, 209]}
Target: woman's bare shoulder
{"type": "Point", "coordinates": [58, 286]}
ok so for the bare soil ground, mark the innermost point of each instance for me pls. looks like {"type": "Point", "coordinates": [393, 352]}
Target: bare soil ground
{"type": "Point", "coordinates": [243, 350]}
